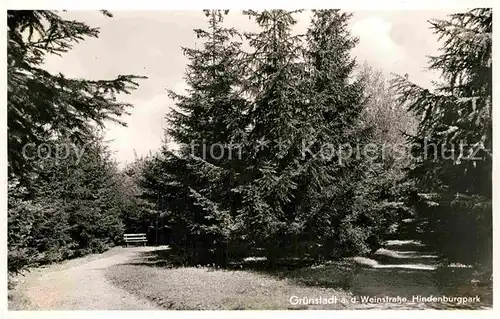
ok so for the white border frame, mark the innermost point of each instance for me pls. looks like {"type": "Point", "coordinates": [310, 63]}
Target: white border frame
{"type": "Point", "coordinates": [256, 4]}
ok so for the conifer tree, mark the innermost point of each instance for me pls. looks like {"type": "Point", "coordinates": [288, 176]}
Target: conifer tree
{"type": "Point", "coordinates": [73, 207]}
{"type": "Point", "coordinates": [205, 123]}
{"type": "Point", "coordinates": [338, 203]}
{"type": "Point", "coordinates": [454, 138]}
{"type": "Point", "coordinates": [274, 70]}
{"type": "Point", "coordinates": [58, 208]}
{"type": "Point", "coordinates": [41, 105]}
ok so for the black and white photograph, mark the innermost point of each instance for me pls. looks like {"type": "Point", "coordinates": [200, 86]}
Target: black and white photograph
{"type": "Point", "coordinates": [249, 159]}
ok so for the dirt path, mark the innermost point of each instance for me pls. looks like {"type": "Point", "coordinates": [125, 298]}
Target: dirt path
{"type": "Point", "coordinates": [403, 269]}
{"type": "Point", "coordinates": [407, 269]}
{"type": "Point", "coordinates": [81, 285]}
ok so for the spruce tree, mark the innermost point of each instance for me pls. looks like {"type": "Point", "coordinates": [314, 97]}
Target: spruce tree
{"type": "Point", "coordinates": [58, 208]}
{"type": "Point", "coordinates": [274, 70]}
{"type": "Point", "coordinates": [41, 105]}
{"type": "Point", "coordinates": [206, 122]}
{"type": "Point", "coordinates": [338, 203]}
{"type": "Point", "coordinates": [453, 144]}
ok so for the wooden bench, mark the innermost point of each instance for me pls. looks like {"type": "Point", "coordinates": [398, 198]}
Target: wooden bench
{"type": "Point", "coordinates": [135, 238]}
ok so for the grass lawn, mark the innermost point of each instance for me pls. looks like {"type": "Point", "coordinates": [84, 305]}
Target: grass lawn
{"type": "Point", "coordinates": [191, 288]}
{"type": "Point", "coordinates": [159, 277]}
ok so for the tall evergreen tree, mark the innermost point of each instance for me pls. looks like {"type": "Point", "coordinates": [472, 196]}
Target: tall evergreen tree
{"type": "Point", "coordinates": [205, 123]}
{"type": "Point", "coordinates": [58, 208]}
{"type": "Point", "coordinates": [454, 138]}
{"type": "Point", "coordinates": [338, 203]}
{"type": "Point", "coordinates": [41, 105]}
{"type": "Point", "coordinates": [272, 149]}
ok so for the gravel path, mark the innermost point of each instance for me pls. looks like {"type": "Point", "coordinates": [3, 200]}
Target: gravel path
{"type": "Point", "coordinates": [81, 285]}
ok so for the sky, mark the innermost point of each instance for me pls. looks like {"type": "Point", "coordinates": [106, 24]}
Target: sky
{"type": "Point", "coordinates": [149, 43]}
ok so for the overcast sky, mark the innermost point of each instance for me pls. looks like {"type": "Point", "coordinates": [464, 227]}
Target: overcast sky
{"type": "Point", "coordinates": [149, 43]}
